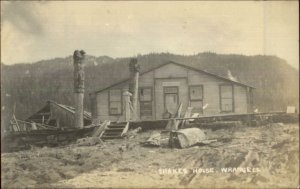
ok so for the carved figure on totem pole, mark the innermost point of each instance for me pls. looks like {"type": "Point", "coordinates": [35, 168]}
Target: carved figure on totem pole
{"type": "Point", "coordinates": [78, 58]}
{"type": "Point", "coordinates": [134, 66]}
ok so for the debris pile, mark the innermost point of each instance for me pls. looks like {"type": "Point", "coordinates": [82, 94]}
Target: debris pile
{"type": "Point", "coordinates": [182, 138]}
{"type": "Point", "coordinates": [270, 152]}
{"type": "Point", "coordinates": [133, 133]}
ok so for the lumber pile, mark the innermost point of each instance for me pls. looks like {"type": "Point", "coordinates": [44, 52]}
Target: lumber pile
{"type": "Point", "coordinates": [17, 125]}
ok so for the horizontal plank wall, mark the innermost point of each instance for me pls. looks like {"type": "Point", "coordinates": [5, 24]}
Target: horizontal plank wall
{"type": "Point", "coordinates": [65, 118]}
{"type": "Point", "coordinates": [147, 80]}
{"type": "Point", "coordinates": [103, 104]}
{"type": "Point", "coordinates": [170, 71]}
{"type": "Point", "coordinates": [240, 99]}
{"type": "Point", "coordinates": [212, 94]}
{"type": "Point", "coordinates": [170, 75]}
{"type": "Point", "coordinates": [182, 77]}
{"type": "Point", "coordinates": [93, 103]}
{"type": "Point", "coordinates": [210, 90]}
{"type": "Point", "coordinates": [160, 83]}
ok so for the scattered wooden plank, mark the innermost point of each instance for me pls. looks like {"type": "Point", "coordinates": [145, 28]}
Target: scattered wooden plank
{"type": "Point", "coordinates": [99, 130]}
{"type": "Point", "coordinates": [16, 122]}
{"type": "Point", "coordinates": [125, 129]}
{"type": "Point", "coordinates": [221, 116]}
{"type": "Point", "coordinates": [187, 114]}
{"type": "Point", "coordinates": [173, 123]}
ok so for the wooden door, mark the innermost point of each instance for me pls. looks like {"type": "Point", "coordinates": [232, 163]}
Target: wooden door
{"type": "Point", "coordinates": [171, 99]}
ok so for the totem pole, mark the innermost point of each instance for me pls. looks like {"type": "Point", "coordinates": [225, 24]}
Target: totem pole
{"type": "Point", "coordinates": [78, 58]}
{"type": "Point", "coordinates": [134, 69]}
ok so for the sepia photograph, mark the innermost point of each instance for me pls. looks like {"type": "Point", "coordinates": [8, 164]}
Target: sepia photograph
{"type": "Point", "coordinates": [150, 94]}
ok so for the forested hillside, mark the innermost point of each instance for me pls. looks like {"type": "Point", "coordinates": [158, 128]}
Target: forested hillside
{"type": "Point", "coordinates": [27, 86]}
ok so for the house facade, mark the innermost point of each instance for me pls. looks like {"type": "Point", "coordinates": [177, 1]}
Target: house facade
{"type": "Point", "coordinates": [163, 88]}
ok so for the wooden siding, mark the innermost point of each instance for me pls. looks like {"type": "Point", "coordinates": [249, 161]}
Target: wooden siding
{"type": "Point", "coordinates": [103, 104]}
{"type": "Point", "coordinates": [170, 71]}
{"type": "Point", "coordinates": [181, 83]}
{"type": "Point", "coordinates": [240, 99]}
{"type": "Point", "coordinates": [93, 100]}
{"type": "Point", "coordinates": [182, 77]}
{"type": "Point", "coordinates": [147, 80]}
{"type": "Point", "coordinates": [210, 90]}
{"type": "Point", "coordinates": [65, 118]}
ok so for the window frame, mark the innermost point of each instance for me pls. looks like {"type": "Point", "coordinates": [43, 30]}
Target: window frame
{"type": "Point", "coordinates": [109, 103]}
{"type": "Point", "coordinates": [146, 101]}
{"type": "Point", "coordinates": [190, 96]}
{"type": "Point", "coordinates": [196, 100]}
{"type": "Point", "coordinates": [166, 93]}
{"type": "Point", "coordinates": [232, 98]}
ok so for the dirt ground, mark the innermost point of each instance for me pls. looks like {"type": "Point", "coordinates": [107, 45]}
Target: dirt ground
{"type": "Point", "coordinates": [243, 157]}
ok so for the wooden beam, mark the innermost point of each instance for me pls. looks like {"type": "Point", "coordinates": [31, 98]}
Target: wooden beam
{"type": "Point", "coordinates": [213, 116]}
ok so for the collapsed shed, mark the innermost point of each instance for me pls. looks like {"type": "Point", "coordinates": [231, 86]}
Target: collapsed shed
{"type": "Point", "coordinates": [57, 115]}
{"type": "Point", "coordinates": [52, 125]}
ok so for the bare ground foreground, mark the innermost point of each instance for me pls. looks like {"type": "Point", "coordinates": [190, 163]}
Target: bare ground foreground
{"type": "Point", "coordinates": [247, 157]}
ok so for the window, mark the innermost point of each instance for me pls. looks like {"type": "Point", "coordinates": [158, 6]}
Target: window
{"type": "Point", "coordinates": [115, 102]}
{"type": "Point", "coordinates": [145, 96]}
{"type": "Point", "coordinates": [226, 98]}
{"type": "Point", "coordinates": [196, 98]}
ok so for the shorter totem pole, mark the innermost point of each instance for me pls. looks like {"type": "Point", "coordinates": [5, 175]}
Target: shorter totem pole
{"type": "Point", "coordinates": [134, 69]}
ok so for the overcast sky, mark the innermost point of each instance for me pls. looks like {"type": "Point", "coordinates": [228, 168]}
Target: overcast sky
{"type": "Point", "coordinates": [31, 31]}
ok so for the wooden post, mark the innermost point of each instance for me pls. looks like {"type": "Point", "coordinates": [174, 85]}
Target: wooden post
{"type": "Point", "coordinates": [126, 97]}
{"type": "Point", "coordinates": [249, 100]}
{"type": "Point", "coordinates": [134, 69]}
{"type": "Point", "coordinates": [33, 126]}
{"type": "Point", "coordinates": [135, 94]}
{"type": "Point", "coordinates": [78, 58]}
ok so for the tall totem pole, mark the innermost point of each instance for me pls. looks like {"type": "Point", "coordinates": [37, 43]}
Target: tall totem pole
{"type": "Point", "coordinates": [78, 60]}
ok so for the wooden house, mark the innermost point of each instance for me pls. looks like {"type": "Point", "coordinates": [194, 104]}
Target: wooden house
{"type": "Point", "coordinates": [163, 88]}
{"type": "Point", "coordinates": [57, 115]}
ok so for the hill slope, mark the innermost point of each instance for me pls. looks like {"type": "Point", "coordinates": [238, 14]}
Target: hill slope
{"type": "Point", "coordinates": [28, 86]}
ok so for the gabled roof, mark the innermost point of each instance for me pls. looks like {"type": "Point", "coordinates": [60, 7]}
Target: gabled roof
{"type": "Point", "coordinates": [70, 109]}
{"type": "Point", "coordinates": [179, 64]}
{"type": "Point", "coordinates": [46, 109]}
